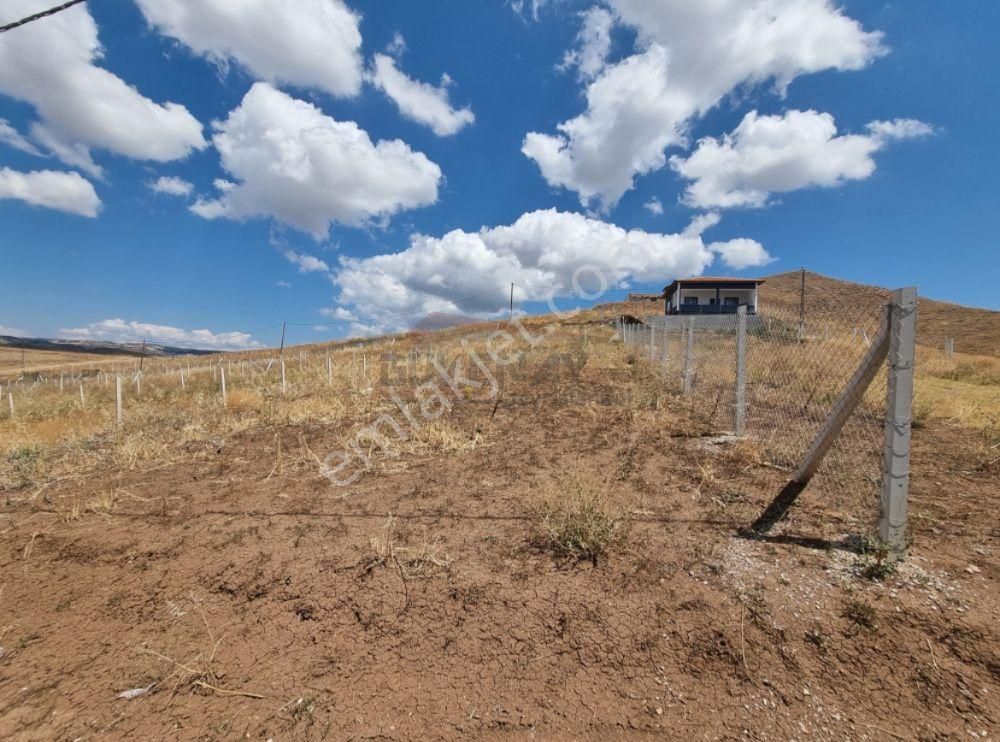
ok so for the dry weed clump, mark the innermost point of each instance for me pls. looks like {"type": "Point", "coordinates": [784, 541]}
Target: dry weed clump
{"type": "Point", "coordinates": [578, 516]}
{"type": "Point", "coordinates": [393, 549]}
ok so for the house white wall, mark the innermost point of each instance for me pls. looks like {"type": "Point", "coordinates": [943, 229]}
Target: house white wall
{"type": "Point", "coordinates": [705, 296]}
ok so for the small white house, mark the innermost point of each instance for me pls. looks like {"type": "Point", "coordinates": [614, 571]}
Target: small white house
{"type": "Point", "coordinates": [711, 295]}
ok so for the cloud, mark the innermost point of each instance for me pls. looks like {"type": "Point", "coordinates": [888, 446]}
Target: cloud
{"type": "Point", "coordinates": [51, 65]}
{"type": "Point", "coordinates": [419, 101]}
{"type": "Point", "coordinates": [120, 331]}
{"type": "Point", "coordinates": [292, 162]}
{"type": "Point", "coordinates": [526, 8]}
{"type": "Point", "coordinates": [470, 273]}
{"type": "Point", "coordinates": [13, 138]}
{"type": "Point", "coordinates": [306, 263]}
{"type": "Point", "coordinates": [283, 284]}
{"type": "Point", "coordinates": [691, 55]}
{"type": "Point", "coordinates": [63, 191]}
{"type": "Point", "coordinates": [397, 46]}
{"type": "Point", "coordinates": [308, 43]}
{"type": "Point", "coordinates": [172, 186]}
{"type": "Point", "coordinates": [741, 253]}
{"type": "Point", "coordinates": [653, 206]}
{"type": "Point", "coordinates": [594, 40]}
{"type": "Point", "coordinates": [778, 154]}
{"type": "Point", "coordinates": [12, 332]}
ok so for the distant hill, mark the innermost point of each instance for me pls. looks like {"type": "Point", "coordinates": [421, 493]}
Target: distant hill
{"type": "Point", "coordinates": [97, 347]}
{"type": "Point", "coordinates": [443, 320]}
{"type": "Point", "coordinates": [974, 330]}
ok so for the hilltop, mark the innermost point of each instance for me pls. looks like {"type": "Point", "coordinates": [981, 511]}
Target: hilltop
{"type": "Point", "coordinates": [974, 330]}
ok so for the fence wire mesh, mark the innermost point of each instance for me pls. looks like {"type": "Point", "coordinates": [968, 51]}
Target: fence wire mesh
{"type": "Point", "coordinates": [794, 370]}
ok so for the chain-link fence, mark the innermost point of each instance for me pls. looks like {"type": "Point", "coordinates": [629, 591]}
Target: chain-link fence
{"type": "Point", "coordinates": [773, 379]}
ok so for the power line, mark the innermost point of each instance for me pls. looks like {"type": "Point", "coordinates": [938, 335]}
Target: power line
{"type": "Point", "coordinates": [40, 15]}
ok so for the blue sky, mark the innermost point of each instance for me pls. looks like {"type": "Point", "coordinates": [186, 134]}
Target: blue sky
{"type": "Point", "coordinates": [871, 156]}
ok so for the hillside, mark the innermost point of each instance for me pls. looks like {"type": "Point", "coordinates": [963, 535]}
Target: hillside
{"type": "Point", "coordinates": [975, 331]}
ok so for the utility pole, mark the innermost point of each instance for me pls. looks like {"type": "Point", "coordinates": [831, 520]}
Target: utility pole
{"type": "Point", "coordinates": [512, 302]}
{"type": "Point", "coordinates": [802, 305]}
{"type": "Point", "coordinates": [282, 348]}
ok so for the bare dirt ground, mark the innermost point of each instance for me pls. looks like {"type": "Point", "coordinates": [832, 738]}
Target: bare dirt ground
{"type": "Point", "coordinates": [249, 598]}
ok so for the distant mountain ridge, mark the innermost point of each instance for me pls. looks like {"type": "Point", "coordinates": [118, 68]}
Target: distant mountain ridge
{"type": "Point", "coordinates": [101, 347]}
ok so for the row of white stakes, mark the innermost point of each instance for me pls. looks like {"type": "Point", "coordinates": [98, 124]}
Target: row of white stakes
{"type": "Point", "coordinates": [220, 369]}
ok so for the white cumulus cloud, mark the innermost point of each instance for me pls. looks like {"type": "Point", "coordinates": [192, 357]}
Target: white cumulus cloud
{"type": "Point", "coordinates": [12, 332]}
{"type": "Point", "coordinates": [172, 186]}
{"type": "Point", "coordinates": [308, 43]}
{"type": "Point", "coordinates": [13, 138]}
{"type": "Point", "coordinates": [306, 263]}
{"type": "Point", "coordinates": [53, 66]}
{"type": "Point", "coordinates": [292, 162]}
{"type": "Point", "coordinates": [63, 191]}
{"type": "Point", "coordinates": [120, 331]}
{"type": "Point", "coordinates": [691, 55]}
{"type": "Point", "coordinates": [777, 154]}
{"type": "Point", "coordinates": [419, 101]}
{"type": "Point", "coordinates": [594, 43]}
{"type": "Point", "coordinates": [653, 206]}
{"type": "Point", "coordinates": [467, 272]}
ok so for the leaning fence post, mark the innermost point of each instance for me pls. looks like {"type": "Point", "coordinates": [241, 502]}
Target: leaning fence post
{"type": "Point", "coordinates": [741, 370]}
{"type": "Point", "coordinates": [689, 358]}
{"type": "Point", "coordinates": [118, 400]}
{"type": "Point", "coordinates": [898, 410]}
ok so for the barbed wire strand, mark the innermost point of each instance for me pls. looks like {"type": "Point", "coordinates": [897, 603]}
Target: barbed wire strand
{"type": "Point", "coordinates": [38, 16]}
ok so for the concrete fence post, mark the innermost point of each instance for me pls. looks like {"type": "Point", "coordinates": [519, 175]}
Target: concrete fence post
{"type": "Point", "coordinates": [10, 401]}
{"type": "Point", "coordinates": [741, 370]}
{"type": "Point", "coordinates": [689, 358]}
{"type": "Point", "coordinates": [283, 386]}
{"type": "Point", "coordinates": [898, 411]}
{"type": "Point", "coordinates": [118, 400]}
{"type": "Point", "coordinates": [222, 371]}
{"type": "Point", "coordinates": [652, 343]}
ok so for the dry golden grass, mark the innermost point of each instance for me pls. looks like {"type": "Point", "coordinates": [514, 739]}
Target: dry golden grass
{"type": "Point", "coordinates": [578, 515]}
{"type": "Point", "coordinates": [13, 360]}
{"type": "Point", "coordinates": [56, 435]}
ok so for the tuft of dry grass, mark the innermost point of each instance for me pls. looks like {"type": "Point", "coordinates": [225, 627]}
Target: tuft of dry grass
{"type": "Point", "coordinates": [578, 516]}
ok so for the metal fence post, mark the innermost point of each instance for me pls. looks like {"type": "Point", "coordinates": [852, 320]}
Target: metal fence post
{"type": "Point", "coordinates": [689, 358]}
{"type": "Point", "coordinates": [118, 400]}
{"type": "Point", "coordinates": [899, 404]}
{"type": "Point", "coordinates": [741, 370]}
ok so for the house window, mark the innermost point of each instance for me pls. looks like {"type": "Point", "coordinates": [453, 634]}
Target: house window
{"type": "Point", "coordinates": [689, 300]}
{"type": "Point", "coordinates": [731, 301]}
